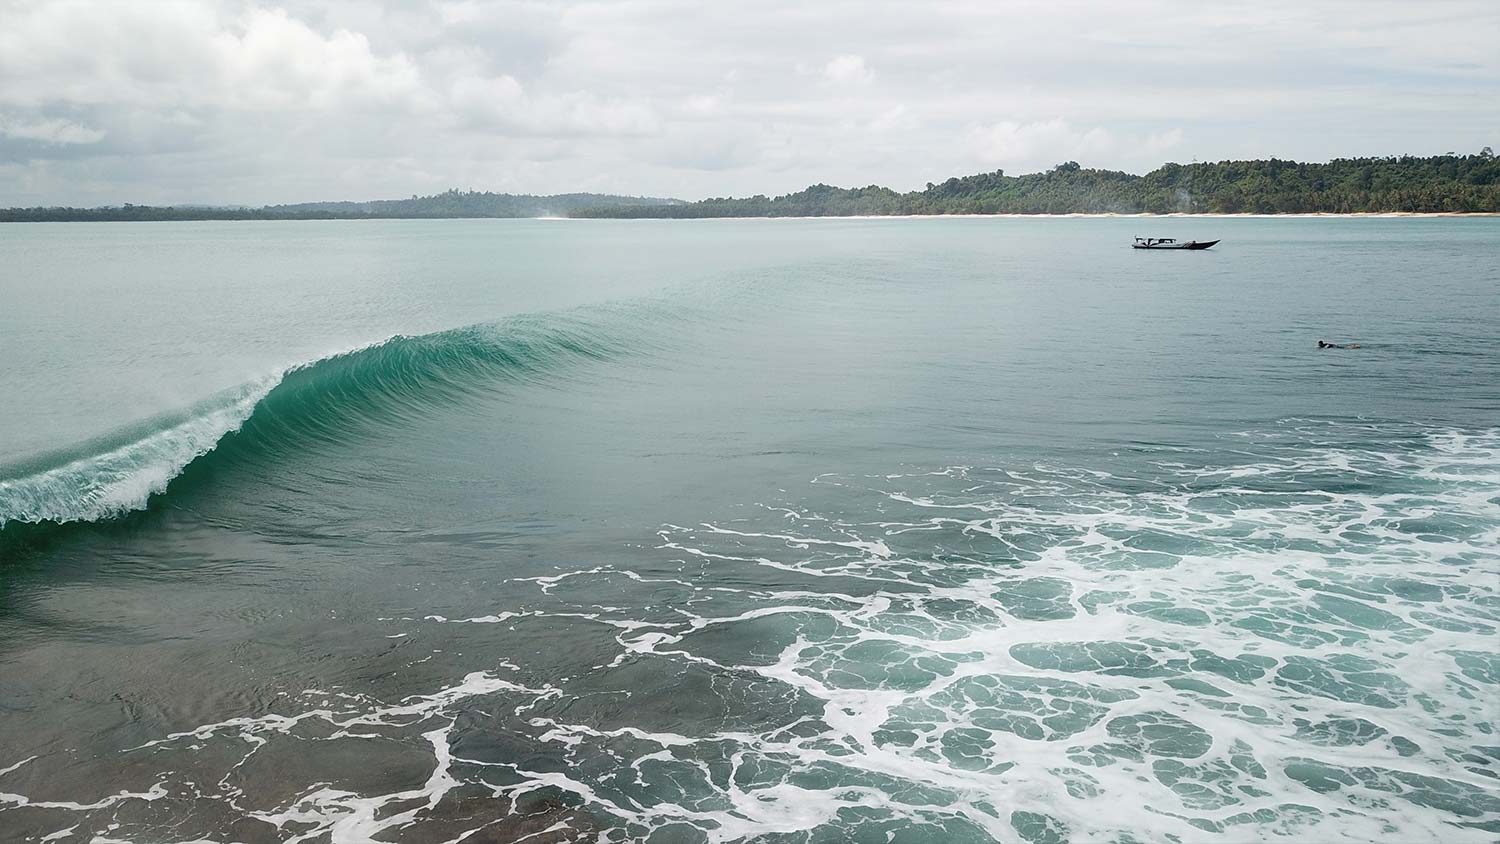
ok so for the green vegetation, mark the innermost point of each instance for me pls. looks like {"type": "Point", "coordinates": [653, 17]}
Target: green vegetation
{"type": "Point", "coordinates": [1452, 183]}
{"type": "Point", "coordinates": [472, 204]}
{"type": "Point", "coordinates": [449, 204]}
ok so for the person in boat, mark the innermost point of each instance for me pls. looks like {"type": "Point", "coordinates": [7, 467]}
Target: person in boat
{"type": "Point", "coordinates": [1323, 345]}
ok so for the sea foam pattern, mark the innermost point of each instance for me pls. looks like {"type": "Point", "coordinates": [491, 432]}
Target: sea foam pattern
{"type": "Point", "coordinates": [1297, 644]}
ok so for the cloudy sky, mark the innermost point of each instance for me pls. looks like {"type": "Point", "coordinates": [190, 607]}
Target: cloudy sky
{"type": "Point", "coordinates": [257, 101]}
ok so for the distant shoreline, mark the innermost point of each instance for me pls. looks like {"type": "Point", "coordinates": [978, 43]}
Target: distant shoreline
{"type": "Point", "coordinates": [1102, 215]}
{"type": "Point", "coordinates": [1444, 184]}
{"type": "Point", "coordinates": [1008, 216]}
{"type": "Point", "coordinates": [1406, 186]}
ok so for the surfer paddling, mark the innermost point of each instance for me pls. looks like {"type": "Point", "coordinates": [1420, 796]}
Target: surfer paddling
{"type": "Point", "coordinates": [1323, 345]}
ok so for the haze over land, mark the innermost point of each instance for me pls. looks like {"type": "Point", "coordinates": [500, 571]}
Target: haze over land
{"type": "Point", "coordinates": [253, 103]}
{"type": "Point", "coordinates": [1406, 184]}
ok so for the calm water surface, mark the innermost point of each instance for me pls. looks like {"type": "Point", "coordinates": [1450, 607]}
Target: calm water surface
{"type": "Point", "coordinates": [785, 531]}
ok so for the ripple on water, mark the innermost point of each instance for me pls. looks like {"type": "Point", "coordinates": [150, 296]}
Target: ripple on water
{"type": "Point", "coordinates": [1241, 651]}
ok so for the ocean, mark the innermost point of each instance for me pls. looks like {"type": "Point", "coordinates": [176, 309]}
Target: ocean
{"type": "Point", "coordinates": [902, 530]}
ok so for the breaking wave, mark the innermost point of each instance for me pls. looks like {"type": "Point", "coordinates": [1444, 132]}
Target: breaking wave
{"type": "Point", "coordinates": [396, 380]}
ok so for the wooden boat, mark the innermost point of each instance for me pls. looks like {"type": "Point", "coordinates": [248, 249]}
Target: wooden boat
{"type": "Point", "coordinates": [1169, 243]}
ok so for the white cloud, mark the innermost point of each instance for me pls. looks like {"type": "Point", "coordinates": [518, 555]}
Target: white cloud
{"type": "Point", "coordinates": [1026, 147]}
{"type": "Point", "coordinates": [1012, 143]}
{"type": "Point", "coordinates": [1161, 142]}
{"type": "Point", "coordinates": [896, 117]}
{"type": "Point", "coordinates": [502, 102]}
{"type": "Point", "coordinates": [286, 100]}
{"type": "Point", "coordinates": [848, 69]}
{"type": "Point", "coordinates": [704, 105]}
{"type": "Point", "coordinates": [267, 59]}
{"type": "Point", "coordinates": [177, 53]}
{"type": "Point", "coordinates": [52, 131]}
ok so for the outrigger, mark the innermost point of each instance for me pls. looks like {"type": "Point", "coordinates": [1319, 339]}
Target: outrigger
{"type": "Point", "coordinates": [1169, 243]}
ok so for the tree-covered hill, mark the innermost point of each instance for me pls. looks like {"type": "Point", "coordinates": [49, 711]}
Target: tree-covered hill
{"type": "Point", "coordinates": [1443, 183]}
{"type": "Point", "coordinates": [455, 203]}
{"type": "Point", "coordinates": [449, 204]}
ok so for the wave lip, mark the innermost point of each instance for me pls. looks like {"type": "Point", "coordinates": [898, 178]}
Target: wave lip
{"type": "Point", "coordinates": [321, 401]}
{"type": "Point", "coordinates": [108, 484]}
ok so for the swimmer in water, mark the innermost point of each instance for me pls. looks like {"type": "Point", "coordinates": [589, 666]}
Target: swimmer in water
{"type": "Point", "coordinates": [1323, 345]}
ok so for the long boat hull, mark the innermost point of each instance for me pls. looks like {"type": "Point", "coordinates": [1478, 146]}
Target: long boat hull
{"type": "Point", "coordinates": [1189, 245]}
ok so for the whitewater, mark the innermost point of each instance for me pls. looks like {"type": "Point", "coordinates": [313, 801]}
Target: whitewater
{"type": "Point", "coordinates": [865, 530]}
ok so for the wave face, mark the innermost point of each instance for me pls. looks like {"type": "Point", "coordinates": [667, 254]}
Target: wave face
{"type": "Point", "coordinates": [323, 401]}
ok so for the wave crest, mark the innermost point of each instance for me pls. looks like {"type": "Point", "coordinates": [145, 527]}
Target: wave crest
{"type": "Point", "coordinates": [321, 401]}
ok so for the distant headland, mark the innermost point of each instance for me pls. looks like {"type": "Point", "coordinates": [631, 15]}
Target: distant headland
{"type": "Point", "coordinates": [452, 204]}
{"type": "Point", "coordinates": [1452, 184]}
{"type": "Point", "coordinates": [1436, 184]}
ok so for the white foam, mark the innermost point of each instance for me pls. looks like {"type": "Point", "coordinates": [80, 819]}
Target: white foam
{"type": "Point", "coordinates": [985, 645]}
{"type": "Point", "coordinates": [106, 485]}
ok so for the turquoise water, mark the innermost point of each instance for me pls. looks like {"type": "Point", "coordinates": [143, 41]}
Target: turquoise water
{"type": "Point", "coordinates": [794, 530]}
